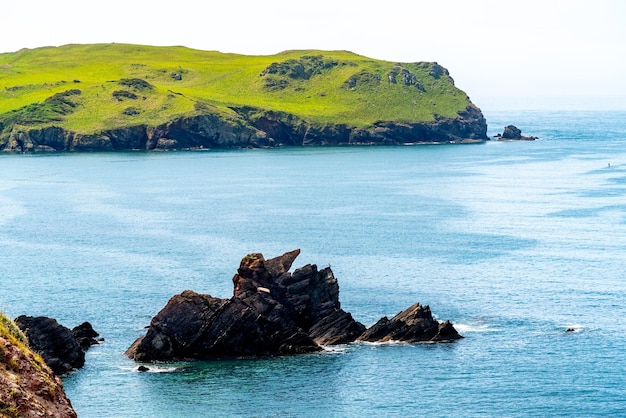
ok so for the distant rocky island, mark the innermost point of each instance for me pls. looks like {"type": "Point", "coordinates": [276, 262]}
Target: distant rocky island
{"type": "Point", "coordinates": [192, 100]}
{"type": "Point", "coordinates": [273, 312]}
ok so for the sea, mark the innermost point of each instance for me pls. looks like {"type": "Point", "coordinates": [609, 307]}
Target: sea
{"type": "Point", "coordinates": [521, 244]}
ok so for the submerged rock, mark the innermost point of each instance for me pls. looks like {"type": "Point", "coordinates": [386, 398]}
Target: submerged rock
{"type": "Point", "coordinates": [272, 312]}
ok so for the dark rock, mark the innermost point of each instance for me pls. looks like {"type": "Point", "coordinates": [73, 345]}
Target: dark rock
{"type": "Point", "coordinates": [54, 342]}
{"type": "Point", "coordinates": [142, 369]}
{"type": "Point", "coordinates": [136, 83]}
{"type": "Point", "coordinates": [271, 312]}
{"type": "Point", "coordinates": [414, 324]}
{"type": "Point", "coordinates": [85, 335]}
{"type": "Point", "coordinates": [364, 78]}
{"type": "Point", "coordinates": [512, 132]}
{"type": "Point", "coordinates": [131, 111]}
{"type": "Point", "coordinates": [120, 95]}
{"type": "Point", "coordinates": [437, 71]}
{"type": "Point", "coordinates": [301, 69]}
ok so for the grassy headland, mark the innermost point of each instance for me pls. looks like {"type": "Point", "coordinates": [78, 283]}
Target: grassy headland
{"type": "Point", "coordinates": [93, 88]}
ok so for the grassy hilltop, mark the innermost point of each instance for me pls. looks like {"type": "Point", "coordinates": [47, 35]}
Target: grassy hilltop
{"type": "Point", "coordinates": [90, 88]}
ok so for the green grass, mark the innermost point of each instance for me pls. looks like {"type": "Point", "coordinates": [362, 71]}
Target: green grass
{"type": "Point", "coordinates": [313, 85]}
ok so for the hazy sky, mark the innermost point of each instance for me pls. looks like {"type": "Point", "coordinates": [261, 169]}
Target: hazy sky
{"type": "Point", "coordinates": [526, 48]}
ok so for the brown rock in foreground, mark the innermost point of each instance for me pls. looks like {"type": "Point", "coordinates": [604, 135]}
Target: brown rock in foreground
{"type": "Point", "coordinates": [28, 387]}
{"type": "Point", "coordinates": [272, 312]}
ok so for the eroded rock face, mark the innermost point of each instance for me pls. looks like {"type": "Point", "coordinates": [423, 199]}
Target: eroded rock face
{"type": "Point", "coordinates": [28, 387]}
{"type": "Point", "coordinates": [56, 343]}
{"type": "Point", "coordinates": [272, 312]}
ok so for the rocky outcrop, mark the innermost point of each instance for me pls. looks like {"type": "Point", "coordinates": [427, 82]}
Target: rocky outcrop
{"type": "Point", "coordinates": [61, 348]}
{"type": "Point", "coordinates": [512, 132]}
{"type": "Point", "coordinates": [250, 127]}
{"type": "Point", "coordinates": [414, 324]}
{"type": "Point", "coordinates": [28, 387]}
{"type": "Point", "coordinates": [271, 312]}
{"type": "Point", "coordinates": [85, 335]}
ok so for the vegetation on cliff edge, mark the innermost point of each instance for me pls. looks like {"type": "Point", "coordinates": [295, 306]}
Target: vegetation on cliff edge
{"type": "Point", "coordinates": [27, 385]}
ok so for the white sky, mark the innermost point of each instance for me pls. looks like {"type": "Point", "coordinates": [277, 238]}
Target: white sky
{"type": "Point", "coordinates": [493, 48]}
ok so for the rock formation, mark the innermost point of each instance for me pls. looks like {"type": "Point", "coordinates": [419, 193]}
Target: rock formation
{"type": "Point", "coordinates": [512, 132]}
{"type": "Point", "coordinates": [414, 324]}
{"type": "Point", "coordinates": [28, 387]}
{"type": "Point", "coordinates": [272, 312]}
{"type": "Point", "coordinates": [61, 348]}
{"type": "Point", "coordinates": [85, 335]}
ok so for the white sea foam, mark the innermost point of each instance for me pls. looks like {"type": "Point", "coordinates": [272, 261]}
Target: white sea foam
{"type": "Point", "coordinates": [382, 343]}
{"type": "Point", "coordinates": [469, 328]}
{"type": "Point", "coordinates": [574, 328]}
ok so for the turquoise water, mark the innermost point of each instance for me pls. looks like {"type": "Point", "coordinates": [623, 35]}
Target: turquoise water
{"type": "Point", "coordinates": [514, 242]}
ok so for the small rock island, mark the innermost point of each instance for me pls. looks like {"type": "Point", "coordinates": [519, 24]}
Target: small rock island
{"type": "Point", "coordinates": [513, 133]}
{"type": "Point", "coordinates": [273, 312]}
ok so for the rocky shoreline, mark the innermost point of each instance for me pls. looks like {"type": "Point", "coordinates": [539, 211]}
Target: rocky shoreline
{"type": "Point", "coordinates": [252, 128]}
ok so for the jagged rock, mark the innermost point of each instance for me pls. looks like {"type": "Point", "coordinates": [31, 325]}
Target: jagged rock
{"type": "Point", "coordinates": [85, 335]}
{"type": "Point", "coordinates": [437, 71]}
{"type": "Point", "coordinates": [28, 387]}
{"type": "Point", "coordinates": [512, 132]}
{"type": "Point", "coordinates": [53, 341]}
{"type": "Point", "coordinates": [271, 312]}
{"type": "Point", "coordinates": [414, 324]}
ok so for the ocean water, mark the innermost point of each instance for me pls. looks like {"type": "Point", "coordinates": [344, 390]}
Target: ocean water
{"type": "Point", "coordinates": [514, 242]}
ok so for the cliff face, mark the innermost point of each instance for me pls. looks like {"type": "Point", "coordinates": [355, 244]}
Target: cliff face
{"type": "Point", "coordinates": [28, 388]}
{"type": "Point", "coordinates": [254, 129]}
